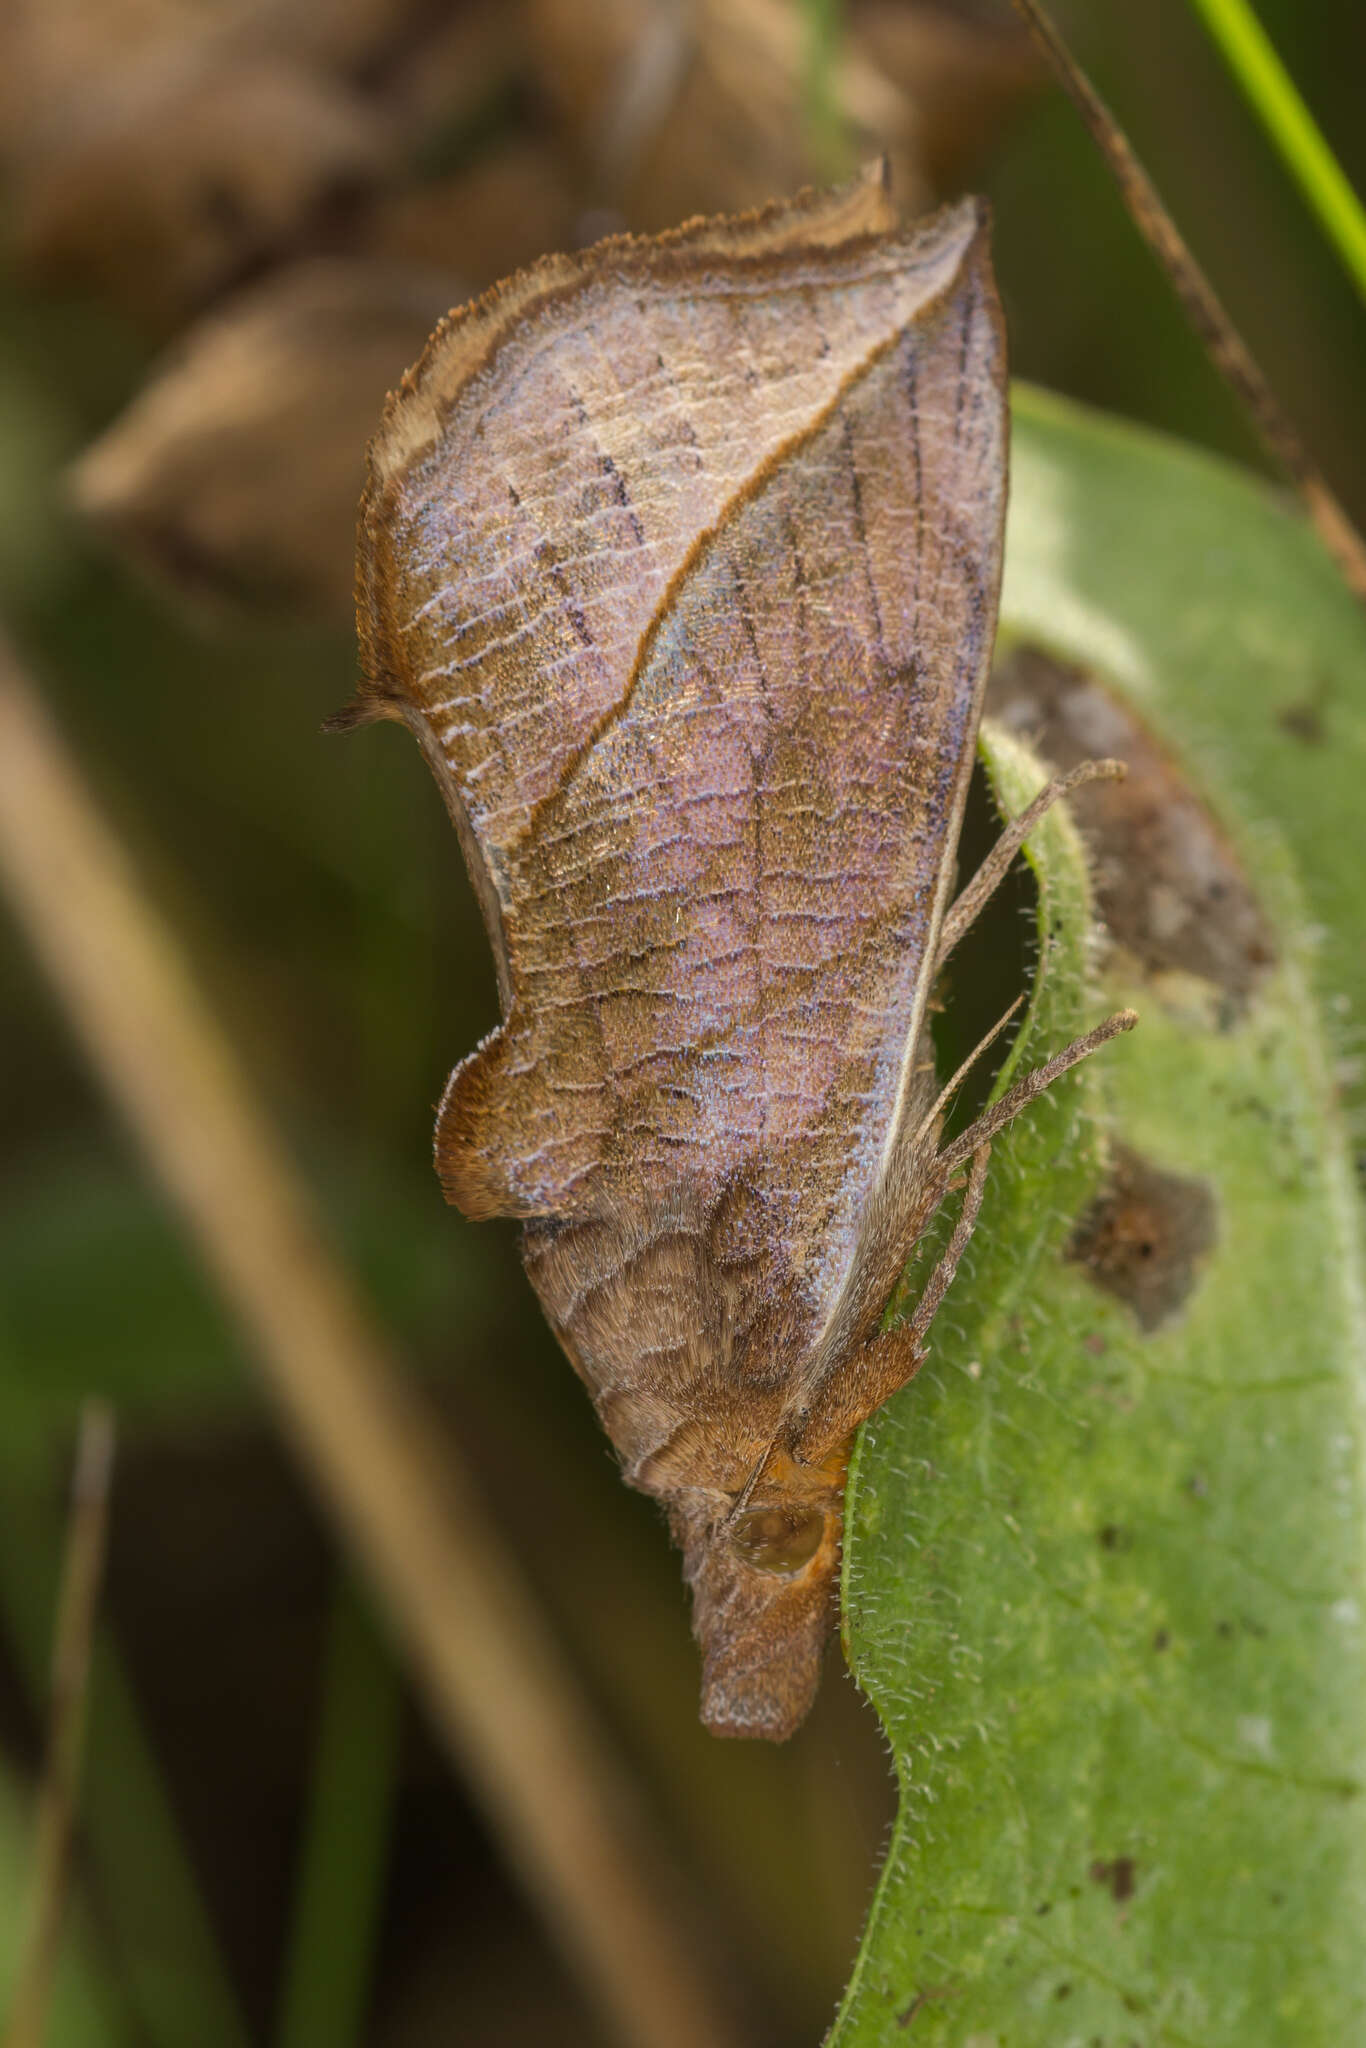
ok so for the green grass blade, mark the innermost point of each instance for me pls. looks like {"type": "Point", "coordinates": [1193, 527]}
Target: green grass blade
{"type": "Point", "coordinates": [346, 1848]}
{"type": "Point", "coordinates": [826, 140]}
{"type": "Point", "coordinates": [1251, 57]}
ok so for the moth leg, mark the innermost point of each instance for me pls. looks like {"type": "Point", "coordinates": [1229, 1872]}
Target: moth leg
{"type": "Point", "coordinates": [941, 1278]}
{"type": "Point", "coordinates": [856, 1389]}
{"type": "Point", "coordinates": [972, 900]}
{"type": "Point", "coordinates": [867, 1377]}
{"type": "Point", "coordinates": [930, 1121]}
{"type": "Point", "coordinates": [501, 1149]}
{"type": "Point", "coordinates": [1025, 1091]}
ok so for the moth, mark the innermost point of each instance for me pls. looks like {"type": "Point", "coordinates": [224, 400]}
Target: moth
{"type": "Point", "coordinates": [680, 558]}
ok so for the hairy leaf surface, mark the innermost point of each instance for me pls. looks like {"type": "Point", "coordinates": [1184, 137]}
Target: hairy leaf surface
{"type": "Point", "coordinates": [1104, 1580]}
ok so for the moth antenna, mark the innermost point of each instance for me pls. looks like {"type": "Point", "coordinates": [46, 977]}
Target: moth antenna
{"type": "Point", "coordinates": [950, 1087]}
{"type": "Point", "coordinates": [970, 902]}
{"type": "Point", "coordinates": [1024, 1092]}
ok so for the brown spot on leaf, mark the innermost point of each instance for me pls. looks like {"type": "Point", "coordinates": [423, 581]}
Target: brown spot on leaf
{"type": "Point", "coordinates": [1118, 1875]}
{"type": "Point", "coordinates": [1303, 720]}
{"type": "Point", "coordinates": [1168, 884]}
{"type": "Point", "coordinates": [931, 1996]}
{"type": "Point", "coordinates": [1144, 1236]}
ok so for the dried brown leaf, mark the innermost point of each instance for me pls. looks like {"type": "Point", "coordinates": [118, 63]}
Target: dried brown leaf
{"type": "Point", "coordinates": [963, 74]}
{"type": "Point", "coordinates": [189, 170]}
{"type": "Point", "coordinates": [236, 472]}
{"type": "Point", "coordinates": [670, 111]}
{"type": "Point", "coordinates": [511, 206]}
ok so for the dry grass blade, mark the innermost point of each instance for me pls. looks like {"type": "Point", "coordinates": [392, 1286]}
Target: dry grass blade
{"type": "Point", "coordinates": [82, 1572]}
{"type": "Point", "coordinates": [511, 1714]}
{"type": "Point", "coordinates": [1221, 339]}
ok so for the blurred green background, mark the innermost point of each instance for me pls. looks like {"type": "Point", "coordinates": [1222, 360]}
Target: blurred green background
{"type": "Point", "coordinates": [316, 885]}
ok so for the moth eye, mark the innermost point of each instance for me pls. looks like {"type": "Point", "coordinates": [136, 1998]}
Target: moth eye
{"type": "Point", "coordinates": [776, 1539]}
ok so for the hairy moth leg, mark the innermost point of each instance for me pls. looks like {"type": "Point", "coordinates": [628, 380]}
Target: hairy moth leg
{"type": "Point", "coordinates": [1028, 1089]}
{"type": "Point", "coordinates": [870, 1375]}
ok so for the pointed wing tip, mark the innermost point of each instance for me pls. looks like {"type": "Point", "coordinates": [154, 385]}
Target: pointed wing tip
{"type": "Point", "coordinates": [966, 222]}
{"type": "Point", "coordinates": [370, 704]}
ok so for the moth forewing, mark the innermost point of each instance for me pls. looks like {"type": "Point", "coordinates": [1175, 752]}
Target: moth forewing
{"type": "Point", "coordinates": [681, 559]}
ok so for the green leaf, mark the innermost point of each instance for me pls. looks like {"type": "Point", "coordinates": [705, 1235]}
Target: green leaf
{"type": "Point", "coordinates": [1105, 1586]}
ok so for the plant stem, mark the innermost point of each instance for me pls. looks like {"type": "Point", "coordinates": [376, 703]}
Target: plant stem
{"type": "Point", "coordinates": [823, 28]}
{"type": "Point", "coordinates": [1271, 92]}
{"type": "Point", "coordinates": [163, 1949]}
{"type": "Point", "coordinates": [82, 1573]}
{"type": "Point", "coordinates": [1221, 340]}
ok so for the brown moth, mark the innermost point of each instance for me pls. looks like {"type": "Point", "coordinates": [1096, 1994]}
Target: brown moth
{"type": "Point", "coordinates": [680, 558]}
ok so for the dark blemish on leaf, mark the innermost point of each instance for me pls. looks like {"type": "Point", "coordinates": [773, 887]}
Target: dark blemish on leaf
{"type": "Point", "coordinates": [1111, 1537]}
{"type": "Point", "coordinates": [1063, 1991]}
{"type": "Point", "coordinates": [922, 1999]}
{"type": "Point", "coordinates": [1303, 720]}
{"type": "Point", "coordinates": [1144, 1236]}
{"type": "Point", "coordinates": [1118, 1875]}
{"type": "Point", "coordinates": [1168, 883]}
{"type": "Point", "coordinates": [1046, 1907]}
{"type": "Point", "coordinates": [1161, 1640]}
{"type": "Point", "coordinates": [1198, 1486]}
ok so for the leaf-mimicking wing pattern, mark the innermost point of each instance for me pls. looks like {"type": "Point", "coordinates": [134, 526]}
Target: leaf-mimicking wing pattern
{"type": "Point", "coordinates": [680, 557]}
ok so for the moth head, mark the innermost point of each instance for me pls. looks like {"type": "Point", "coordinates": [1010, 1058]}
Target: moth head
{"type": "Point", "coordinates": [762, 1572]}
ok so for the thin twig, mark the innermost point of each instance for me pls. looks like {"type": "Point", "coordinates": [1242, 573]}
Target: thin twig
{"type": "Point", "coordinates": [1221, 339]}
{"type": "Point", "coordinates": [512, 1715]}
{"type": "Point", "coordinates": [82, 1573]}
{"type": "Point", "coordinates": [1270, 91]}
